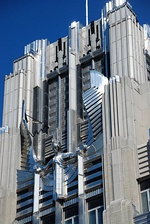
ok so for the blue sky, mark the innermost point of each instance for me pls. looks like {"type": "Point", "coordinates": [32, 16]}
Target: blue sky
{"type": "Point", "coordinates": [23, 21]}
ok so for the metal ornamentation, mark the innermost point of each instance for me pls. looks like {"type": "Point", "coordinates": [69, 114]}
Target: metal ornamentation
{"type": "Point", "coordinates": [92, 100]}
{"type": "Point", "coordinates": [66, 162]}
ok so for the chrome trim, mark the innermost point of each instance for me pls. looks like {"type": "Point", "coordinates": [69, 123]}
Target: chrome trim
{"type": "Point", "coordinates": [46, 212]}
{"type": "Point", "coordinates": [46, 194]}
{"type": "Point", "coordinates": [25, 184]}
{"type": "Point", "coordinates": [93, 184]}
{"type": "Point", "coordinates": [20, 197]}
{"type": "Point", "coordinates": [90, 177]}
{"type": "Point", "coordinates": [25, 211]}
{"type": "Point", "coordinates": [94, 193]}
{"type": "Point", "coordinates": [45, 203]}
{"type": "Point", "coordinates": [70, 202]}
{"type": "Point", "coordinates": [73, 192]}
{"type": "Point", "coordinates": [27, 202]}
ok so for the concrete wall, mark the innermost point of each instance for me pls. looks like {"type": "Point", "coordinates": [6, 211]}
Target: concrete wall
{"type": "Point", "coordinates": [126, 38]}
{"type": "Point", "coordinates": [18, 87]}
{"type": "Point", "coordinates": [126, 126]}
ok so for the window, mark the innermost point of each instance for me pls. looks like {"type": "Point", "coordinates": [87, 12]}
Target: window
{"type": "Point", "coordinates": [71, 215]}
{"type": "Point", "coordinates": [89, 38]}
{"type": "Point", "coordinates": [92, 28]}
{"type": "Point", "coordinates": [50, 219]}
{"type": "Point", "coordinates": [97, 33]}
{"type": "Point", "coordinates": [73, 220]}
{"type": "Point", "coordinates": [56, 54]}
{"type": "Point", "coordinates": [60, 44]}
{"type": "Point", "coordinates": [64, 49]}
{"type": "Point", "coordinates": [145, 197]}
{"type": "Point", "coordinates": [95, 210]}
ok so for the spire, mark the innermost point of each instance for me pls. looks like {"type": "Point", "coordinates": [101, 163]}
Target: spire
{"type": "Point", "coordinates": [117, 3]}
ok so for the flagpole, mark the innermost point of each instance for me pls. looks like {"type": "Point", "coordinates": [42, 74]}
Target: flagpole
{"type": "Point", "coordinates": [87, 22]}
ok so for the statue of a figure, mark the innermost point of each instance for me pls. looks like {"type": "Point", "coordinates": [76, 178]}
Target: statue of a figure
{"type": "Point", "coordinates": [65, 160]}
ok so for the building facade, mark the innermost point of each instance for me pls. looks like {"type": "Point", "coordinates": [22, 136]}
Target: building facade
{"type": "Point", "coordinates": [75, 138]}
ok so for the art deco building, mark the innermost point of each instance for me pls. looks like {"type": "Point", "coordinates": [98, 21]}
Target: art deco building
{"type": "Point", "coordinates": [75, 143]}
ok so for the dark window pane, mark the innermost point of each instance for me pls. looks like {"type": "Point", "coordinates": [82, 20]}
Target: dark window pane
{"type": "Point", "coordinates": [72, 211]}
{"type": "Point", "coordinates": [92, 217]}
{"type": "Point", "coordinates": [100, 215]}
{"type": "Point", "coordinates": [48, 219]}
{"type": "Point", "coordinates": [92, 27]}
{"type": "Point", "coordinates": [93, 203]}
{"type": "Point", "coordinates": [76, 221]}
{"type": "Point", "coordinates": [68, 221]}
{"type": "Point", "coordinates": [144, 202]}
{"type": "Point", "coordinates": [145, 184]}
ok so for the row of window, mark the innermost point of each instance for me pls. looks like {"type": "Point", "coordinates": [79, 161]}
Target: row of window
{"type": "Point", "coordinates": [94, 216]}
{"type": "Point", "coordinates": [95, 210]}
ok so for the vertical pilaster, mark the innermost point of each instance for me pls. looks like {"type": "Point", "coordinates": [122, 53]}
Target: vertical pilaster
{"type": "Point", "coordinates": [73, 59]}
{"type": "Point", "coordinates": [36, 199]}
{"type": "Point", "coordinates": [81, 203]}
{"type": "Point", "coordinates": [58, 192]}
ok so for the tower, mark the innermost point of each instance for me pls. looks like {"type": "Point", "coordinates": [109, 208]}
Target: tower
{"type": "Point", "coordinates": [79, 125]}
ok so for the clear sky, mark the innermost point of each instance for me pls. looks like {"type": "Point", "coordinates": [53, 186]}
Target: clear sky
{"type": "Point", "coordinates": [23, 21]}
